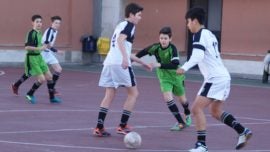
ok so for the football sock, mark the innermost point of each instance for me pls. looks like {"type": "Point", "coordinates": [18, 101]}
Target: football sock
{"type": "Point", "coordinates": [101, 117]}
{"type": "Point", "coordinates": [201, 136]}
{"type": "Point", "coordinates": [21, 80]}
{"type": "Point", "coordinates": [229, 120]}
{"type": "Point", "coordinates": [55, 77]}
{"type": "Point", "coordinates": [50, 85]}
{"type": "Point", "coordinates": [124, 119]}
{"type": "Point", "coordinates": [35, 86]}
{"type": "Point", "coordinates": [186, 110]}
{"type": "Point", "coordinates": [175, 111]}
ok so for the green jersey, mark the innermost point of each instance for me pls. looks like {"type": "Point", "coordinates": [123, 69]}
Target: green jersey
{"type": "Point", "coordinates": [33, 38]}
{"type": "Point", "coordinates": [34, 63]}
{"type": "Point", "coordinates": [169, 60]}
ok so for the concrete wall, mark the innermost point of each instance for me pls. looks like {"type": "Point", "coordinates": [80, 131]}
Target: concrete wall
{"type": "Point", "coordinates": [245, 28]}
{"type": "Point", "coordinates": [16, 21]}
{"type": "Point", "coordinates": [157, 14]}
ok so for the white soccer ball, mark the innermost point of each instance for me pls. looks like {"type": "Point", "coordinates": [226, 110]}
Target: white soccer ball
{"type": "Point", "coordinates": [133, 140]}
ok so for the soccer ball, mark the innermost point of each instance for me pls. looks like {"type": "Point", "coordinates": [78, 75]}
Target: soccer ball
{"type": "Point", "coordinates": [132, 140]}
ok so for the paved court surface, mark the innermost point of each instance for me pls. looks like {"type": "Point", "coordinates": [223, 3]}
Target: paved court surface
{"type": "Point", "coordinates": [67, 127]}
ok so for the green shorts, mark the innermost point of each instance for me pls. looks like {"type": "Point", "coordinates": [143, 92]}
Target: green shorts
{"type": "Point", "coordinates": [35, 65]}
{"type": "Point", "coordinates": [174, 85]}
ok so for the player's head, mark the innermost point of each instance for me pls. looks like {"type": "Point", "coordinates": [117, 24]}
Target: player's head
{"type": "Point", "coordinates": [56, 22]}
{"type": "Point", "coordinates": [133, 12]}
{"type": "Point", "coordinates": [165, 36]}
{"type": "Point", "coordinates": [36, 22]}
{"type": "Point", "coordinates": [195, 19]}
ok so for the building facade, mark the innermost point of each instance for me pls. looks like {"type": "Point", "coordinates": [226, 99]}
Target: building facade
{"type": "Point", "coordinates": [240, 25]}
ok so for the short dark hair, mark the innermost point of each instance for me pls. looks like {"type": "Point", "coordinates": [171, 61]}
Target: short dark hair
{"type": "Point", "coordinates": [36, 16]}
{"type": "Point", "coordinates": [196, 13]}
{"type": "Point", "coordinates": [166, 30]}
{"type": "Point", "coordinates": [56, 18]}
{"type": "Point", "coordinates": [132, 8]}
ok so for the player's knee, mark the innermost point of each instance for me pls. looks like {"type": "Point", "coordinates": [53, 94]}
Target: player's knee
{"type": "Point", "coordinates": [41, 80]}
{"type": "Point", "coordinates": [135, 94]}
{"type": "Point", "coordinates": [215, 113]}
{"type": "Point", "coordinates": [195, 109]}
{"type": "Point", "coordinates": [58, 70]}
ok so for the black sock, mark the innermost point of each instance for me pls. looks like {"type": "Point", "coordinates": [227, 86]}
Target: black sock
{"type": "Point", "coordinates": [201, 137]}
{"type": "Point", "coordinates": [35, 86]}
{"type": "Point", "coordinates": [175, 111]}
{"type": "Point", "coordinates": [124, 119]}
{"type": "Point", "coordinates": [186, 110]}
{"type": "Point", "coordinates": [50, 85]}
{"type": "Point", "coordinates": [229, 120]}
{"type": "Point", "coordinates": [21, 80]}
{"type": "Point", "coordinates": [101, 117]}
{"type": "Point", "coordinates": [55, 77]}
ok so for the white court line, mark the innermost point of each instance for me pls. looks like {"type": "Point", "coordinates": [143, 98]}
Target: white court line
{"type": "Point", "coordinates": [113, 111]}
{"type": "Point", "coordinates": [110, 128]}
{"type": "Point", "coordinates": [2, 72]}
{"type": "Point", "coordinates": [109, 149]}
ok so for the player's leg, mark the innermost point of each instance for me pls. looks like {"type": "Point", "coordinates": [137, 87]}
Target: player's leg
{"type": "Point", "coordinates": [57, 69]}
{"type": "Point", "coordinates": [51, 60]}
{"type": "Point", "coordinates": [167, 88]}
{"type": "Point", "coordinates": [197, 109]}
{"type": "Point", "coordinates": [107, 82]}
{"type": "Point", "coordinates": [132, 94]}
{"type": "Point", "coordinates": [15, 86]}
{"type": "Point", "coordinates": [50, 85]}
{"type": "Point", "coordinates": [30, 94]}
{"type": "Point", "coordinates": [168, 98]}
{"type": "Point", "coordinates": [179, 92]}
{"type": "Point", "coordinates": [183, 100]}
{"type": "Point", "coordinates": [103, 110]}
{"type": "Point", "coordinates": [229, 120]}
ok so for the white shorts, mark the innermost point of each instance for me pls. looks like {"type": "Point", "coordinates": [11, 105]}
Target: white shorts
{"type": "Point", "coordinates": [217, 90]}
{"type": "Point", "coordinates": [115, 76]}
{"type": "Point", "coordinates": [49, 57]}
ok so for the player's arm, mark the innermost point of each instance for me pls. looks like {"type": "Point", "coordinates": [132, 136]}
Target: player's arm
{"type": "Point", "coordinates": [47, 39]}
{"type": "Point", "coordinates": [196, 57]}
{"type": "Point", "coordinates": [121, 40]}
{"type": "Point", "coordinates": [144, 52]}
{"type": "Point", "coordinates": [31, 48]}
{"type": "Point", "coordinates": [134, 58]}
{"type": "Point", "coordinates": [30, 43]}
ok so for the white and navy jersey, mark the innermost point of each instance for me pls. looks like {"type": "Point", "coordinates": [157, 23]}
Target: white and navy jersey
{"type": "Point", "coordinates": [114, 57]}
{"type": "Point", "coordinates": [49, 36]}
{"type": "Point", "coordinates": [206, 54]}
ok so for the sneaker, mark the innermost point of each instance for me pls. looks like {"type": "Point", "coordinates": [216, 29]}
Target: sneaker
{"type": "Point", "coordinates": [31, 99]}
{"type": "Point", "coordinates": [14, 89]}
{"type": "Point", "coordinates": [188, 120]}
{"type": "Point", "coordinates": [55, 100]}
{"type": "Point", "coordinates": [124, 131]}
{"type": "Point", "coordinates": [178, 127]}
{"type": "Point", "coordinates": [101, 132]}
{"type": "Point", "coordinates": [199, 147]}
{"type": "Point", "coordinates": [243, 138]}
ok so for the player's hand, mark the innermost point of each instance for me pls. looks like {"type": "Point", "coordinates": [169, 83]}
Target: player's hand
{"type": "Point", "coordinates": [124, 63]}
{"type": "Point", "coordinates": [180, 71]}
{"type": "Point", "coordinates": [43, 47]}
{"type": "Point", "coordinates": [155, 65]}
{"type": "Point", "coordinates": [148, 67]}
